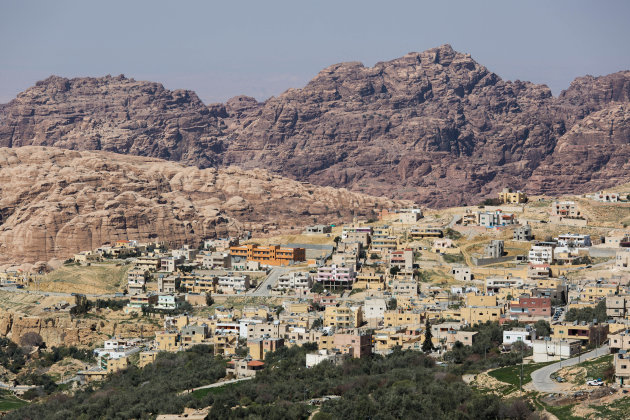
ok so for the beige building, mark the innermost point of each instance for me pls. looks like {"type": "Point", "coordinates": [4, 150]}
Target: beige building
{"type": "Point", "coordinates": [343, 316]}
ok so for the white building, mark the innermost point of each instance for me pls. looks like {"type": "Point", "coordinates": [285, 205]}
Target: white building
{"type": "Point", "coordinates": [541, 254]}
{"type": "Point", "coordinates": [374, 308]}
{"type": "Point", "coordinates": [519, 335]}
{"type": "Point", "coordinates": [295, 280]}
{"type": "Point", "coordinates": [313, 359]}
{"type": "Point", "coordinates": [166, 302]}
{"type": "Point", "coordinates": [550, 350]}
{"type": "Point", "coordinates": [336, 276]}
{"type": "Point", "coordinates": [234, 283]}
{"type": "Point", "coordinates": [573, 240]}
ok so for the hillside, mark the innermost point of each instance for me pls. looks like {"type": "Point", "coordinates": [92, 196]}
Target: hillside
{"type": "Point", "coordinates": [435, 127]}
{"type": "Point", "coordinates": [56, 202]}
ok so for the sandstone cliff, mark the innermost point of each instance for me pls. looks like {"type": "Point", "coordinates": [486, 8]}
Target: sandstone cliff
{"type": "Point", "coordinates": [65, 331]}
{"type": "Point", "coordinates": [435, 127]}
{"type": "Point", "coordinates": [56, 202]}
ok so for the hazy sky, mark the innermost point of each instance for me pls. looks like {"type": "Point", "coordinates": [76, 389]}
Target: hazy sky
{"type": "Point", "coordinates": [261, 48]}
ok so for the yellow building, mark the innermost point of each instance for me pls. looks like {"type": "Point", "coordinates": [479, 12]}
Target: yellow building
{"type": "Point", "coordinates": [473, 299]}
{"type": "Point", "coordinates": [481, 314]}
{"type": "Point", "coordinates": [369, 280]}
{"type": "Point", "coordinates": [225, 345]}
{"type": "Point", "coordinates": [509, 196]}
{"type": "Point", "coordinates": [146, 358]}
{"type": "Point", "coordinates": [167, 341]}
{"type": "Point", "coordinates": [114, 365]}
{"type": "Point", "coordinates": [298, 307]}
{"type": "Point", "coordinates": [595, 292]}
{"type": "Point", "coordinates": [255, 312]}
{"type": "Point", "coordinates": [398, 318]}
{"type": "Point", "coordinates": [343, 316]}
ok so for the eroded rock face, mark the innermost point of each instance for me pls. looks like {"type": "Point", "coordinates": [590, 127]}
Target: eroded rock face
{"type": "Point", "coordinates": [435, 127]}
{"type": "Point", "coordinates": [114, 114]}
{"type": "Point", "coordinates": [56, 202]}
{"type": "Point", "coordinates": [65, 331]}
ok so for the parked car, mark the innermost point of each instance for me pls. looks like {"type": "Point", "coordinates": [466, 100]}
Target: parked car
{"type": "Point", "coordinates": [595, 382]}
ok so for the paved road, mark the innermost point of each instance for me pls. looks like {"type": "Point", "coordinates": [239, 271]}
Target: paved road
{"type": "Point", "coordinates": [541, 380]}
{"type": "Point", "coordinates": [17, 388]}
{"type": "Point", "coordinates": [271, 280]}
{"type": "Point", "coordinates": [217, 384]}
{"type": "Point", "coordinates": [43, 293]}
{"type": "Point", "coordinates": [455, 219]}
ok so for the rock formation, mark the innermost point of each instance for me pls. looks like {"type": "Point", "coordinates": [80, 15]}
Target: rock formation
{"type": "Point", "coordinates": [56, 202]}
{"type": "Point", "coordinates": [435, 127]}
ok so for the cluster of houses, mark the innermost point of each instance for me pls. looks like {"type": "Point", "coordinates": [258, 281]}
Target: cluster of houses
{"type": "Point", "coordinates": [366, 296]}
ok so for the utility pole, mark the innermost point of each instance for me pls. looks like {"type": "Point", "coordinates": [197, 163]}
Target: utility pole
{"type": "Point", "coordinates": [521, 379]}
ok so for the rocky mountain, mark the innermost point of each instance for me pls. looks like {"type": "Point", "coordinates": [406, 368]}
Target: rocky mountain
{"type": "Point", "coordinates": [56, 202]}
{"type": "Point", "coordinates": [435, 127]}
{"type": "Point", "coordinates": [114, 114]}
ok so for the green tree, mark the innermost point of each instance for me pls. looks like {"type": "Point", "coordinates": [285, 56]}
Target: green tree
{"type": "Point", "coordinates": [542, 327]}
{"type": "Point", "coordinates": [394, 270]}
{"type": "Point", "coordinates": [427, 345]}
{"type": "Point", "coordinates": [209, 300]}
{"type": "Point", "coordinates": [392, 304]}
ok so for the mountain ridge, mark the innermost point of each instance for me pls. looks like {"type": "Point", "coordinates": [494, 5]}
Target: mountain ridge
{"type": "Point", "coordinates": [435, 127]}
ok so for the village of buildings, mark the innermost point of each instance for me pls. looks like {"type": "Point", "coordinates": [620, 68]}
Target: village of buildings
{"type": "Point", "coordinates": [372, 286]}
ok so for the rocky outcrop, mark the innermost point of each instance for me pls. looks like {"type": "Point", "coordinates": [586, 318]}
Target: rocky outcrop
{"type": "Point", "coordinates": [592, 155]}
{"type": "Point", "coordinates": [435, 127]}
{"type": "Point", "coordinates": [66, 331]}
{"type": "Point", "coordinates": [56, 202]}
{"type": "Point", "coordinates": [114, 114]}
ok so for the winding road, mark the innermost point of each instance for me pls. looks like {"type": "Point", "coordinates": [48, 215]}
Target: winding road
{"type": "Point", "coordinates": [541, 378]}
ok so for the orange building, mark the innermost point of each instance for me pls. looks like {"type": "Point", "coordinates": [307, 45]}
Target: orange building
{"type": "Point", "coordinates": [269, 255]}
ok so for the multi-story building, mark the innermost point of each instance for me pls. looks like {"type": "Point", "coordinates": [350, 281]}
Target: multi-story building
{"type": "Point", "coordinates": [622, 368]}
{"type": "Point", "coordinates": [495, 218]}
{"type": "Point", "coordinates": [272, 255]}
{"type": "Point", "coordinates": [619, 341]}
{"type": "Point", "coordinates": [574, 240]}
{"type": "Point", "coordinates": [167, 341]}
{"type": "Point", "coordinates": [495, 284]}
{"type": "Point", "coordinates": [400, 318]}
{"type": "Point", "coordinates": [565, 209]}
{"type": "Point", "coordinates": [426, 232]}
{"type": "Point", "coordinates": [347, 230]}
{"type": "Point", "coordinates": [374, 309]}
{"type": "Point", "coordinates": [586, 333]}
{"type": "Point", "coordinates": [594, 292]}
{"type": "Point", "coordinates": [523, 233]}
{"type": "Point", "coordinates": [618, 306]}
{"type": "Point", "coordinates": [462, 273]}
{"type": "Point", "coordinates": [136, 280]}
{"type": "Point", "coordinates": [402, 259]}
{"type": "Point", "coordinates": [295, 280]}
{"type": "Point", "coordinates": [185, 253]}
{"type": "Point", "coordinates": [197, 283]}
{"type": "Point", "coordinates": [168, 284]}
{"type": "Point", "coordinates": [508, 196]}
{"type": "Point", "coordinates": [147, 263]}
{"type": "Point", "coordinates": [404, 288]}
{"type": "Point", "coordinates": [233, 284]}
{"type": "Point", "coordinates": [622, 259]}
{"type": "Point", "coordinates": [369, 279]}
{"type": "Point", "coordinates": [494, 249]}
{"type": "Point", "coordinates": [343, 316]}
{"type": "Point", "coordinates": [530, 309]}
{"type": "Point", "coordinates": [541, 254]}
{"type": "Point", "coordinates": [215, 259]}
{"type": "Point", "coordinates": [354, 345]}
{"type": "Point", "coordinates": [334, 276]}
